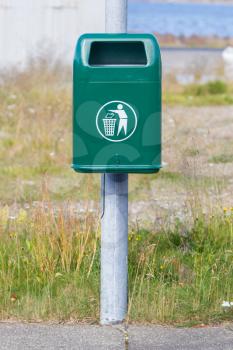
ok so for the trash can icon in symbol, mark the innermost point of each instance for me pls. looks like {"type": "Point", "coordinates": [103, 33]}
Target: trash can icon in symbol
{"type": "Point", "coordinates": [109, 124]}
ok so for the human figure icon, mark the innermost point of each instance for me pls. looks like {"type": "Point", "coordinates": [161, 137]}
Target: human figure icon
{"type": "Point", "coordinates": [123, 118]}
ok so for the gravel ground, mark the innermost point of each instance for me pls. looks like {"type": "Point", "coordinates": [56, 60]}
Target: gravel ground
{"type": "Point", "coordinates": [191, 178]}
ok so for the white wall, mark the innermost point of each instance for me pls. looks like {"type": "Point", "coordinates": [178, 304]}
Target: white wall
{"type": "Point", "coordinates": [29, 27]}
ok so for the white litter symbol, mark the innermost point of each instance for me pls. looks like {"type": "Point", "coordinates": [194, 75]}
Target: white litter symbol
{"type": "Point", "coordinates": [116, 121]}
{"type": "Point", "coordinates": [123, 118]}
{"type": "Point", "coordinates": [109, 124]}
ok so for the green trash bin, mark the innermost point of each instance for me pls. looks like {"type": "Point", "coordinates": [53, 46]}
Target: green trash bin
{"type": "Point", "coordinates": [117, 104]}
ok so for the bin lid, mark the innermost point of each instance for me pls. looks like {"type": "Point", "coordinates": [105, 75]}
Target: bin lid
{"type": "Point", "coordinates": [117, 57]}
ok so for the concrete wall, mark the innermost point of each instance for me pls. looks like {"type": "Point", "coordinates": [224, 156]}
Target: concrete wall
{"type": "Point", "coordinates": [32, 27]}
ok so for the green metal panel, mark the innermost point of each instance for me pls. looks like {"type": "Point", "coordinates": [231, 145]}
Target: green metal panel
{"type": "Point", "coordinates": [117, 104]}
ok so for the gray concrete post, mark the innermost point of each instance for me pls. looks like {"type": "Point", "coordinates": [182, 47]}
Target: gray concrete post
{"type": "Point", "coordinates": [114, 224]}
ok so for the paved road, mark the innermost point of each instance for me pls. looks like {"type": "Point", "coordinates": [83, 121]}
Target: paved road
{"type": "Point", "coordinates": [188, 64]}
{"type": "Point", "coordinates": [51, 337]}
{"type": "Point", "coordinates": [148, 338]}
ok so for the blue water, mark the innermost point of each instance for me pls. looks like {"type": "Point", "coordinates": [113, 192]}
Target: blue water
{"type": "Point", "coordinates": [181, 19]}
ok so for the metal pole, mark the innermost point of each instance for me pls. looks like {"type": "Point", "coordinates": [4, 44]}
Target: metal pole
{"type": "Point", "coordinates": [114, 224]}
{"type": "Point", "coordinates": [116, 16]}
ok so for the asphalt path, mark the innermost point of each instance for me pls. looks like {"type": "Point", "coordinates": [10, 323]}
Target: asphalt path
{"type": "Point", "coordinates": [43, 336]}
{"type": "Point", "coordinates": [188, 61]}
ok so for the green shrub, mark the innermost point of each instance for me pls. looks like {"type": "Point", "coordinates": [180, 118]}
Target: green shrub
{"type": "Point", "coordinates": [216, 87]}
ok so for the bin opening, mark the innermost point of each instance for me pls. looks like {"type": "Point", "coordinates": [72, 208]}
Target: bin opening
{"type": "Point", "coordinates": [117, 53]}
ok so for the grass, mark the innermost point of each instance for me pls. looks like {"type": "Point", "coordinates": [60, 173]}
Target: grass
{"type": "Point", "coordinates": [49, 269]}
{"type": "Point", "coordinates": [183, 277]}
{"type": "Point", "coordinates": [35, 146]}
{"type": "Point", "coordinates": [49, 225]}
{"type": "Point", "coordinates": [34, 156]}
{"type": "Point", "coordinates": [46, 266]}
